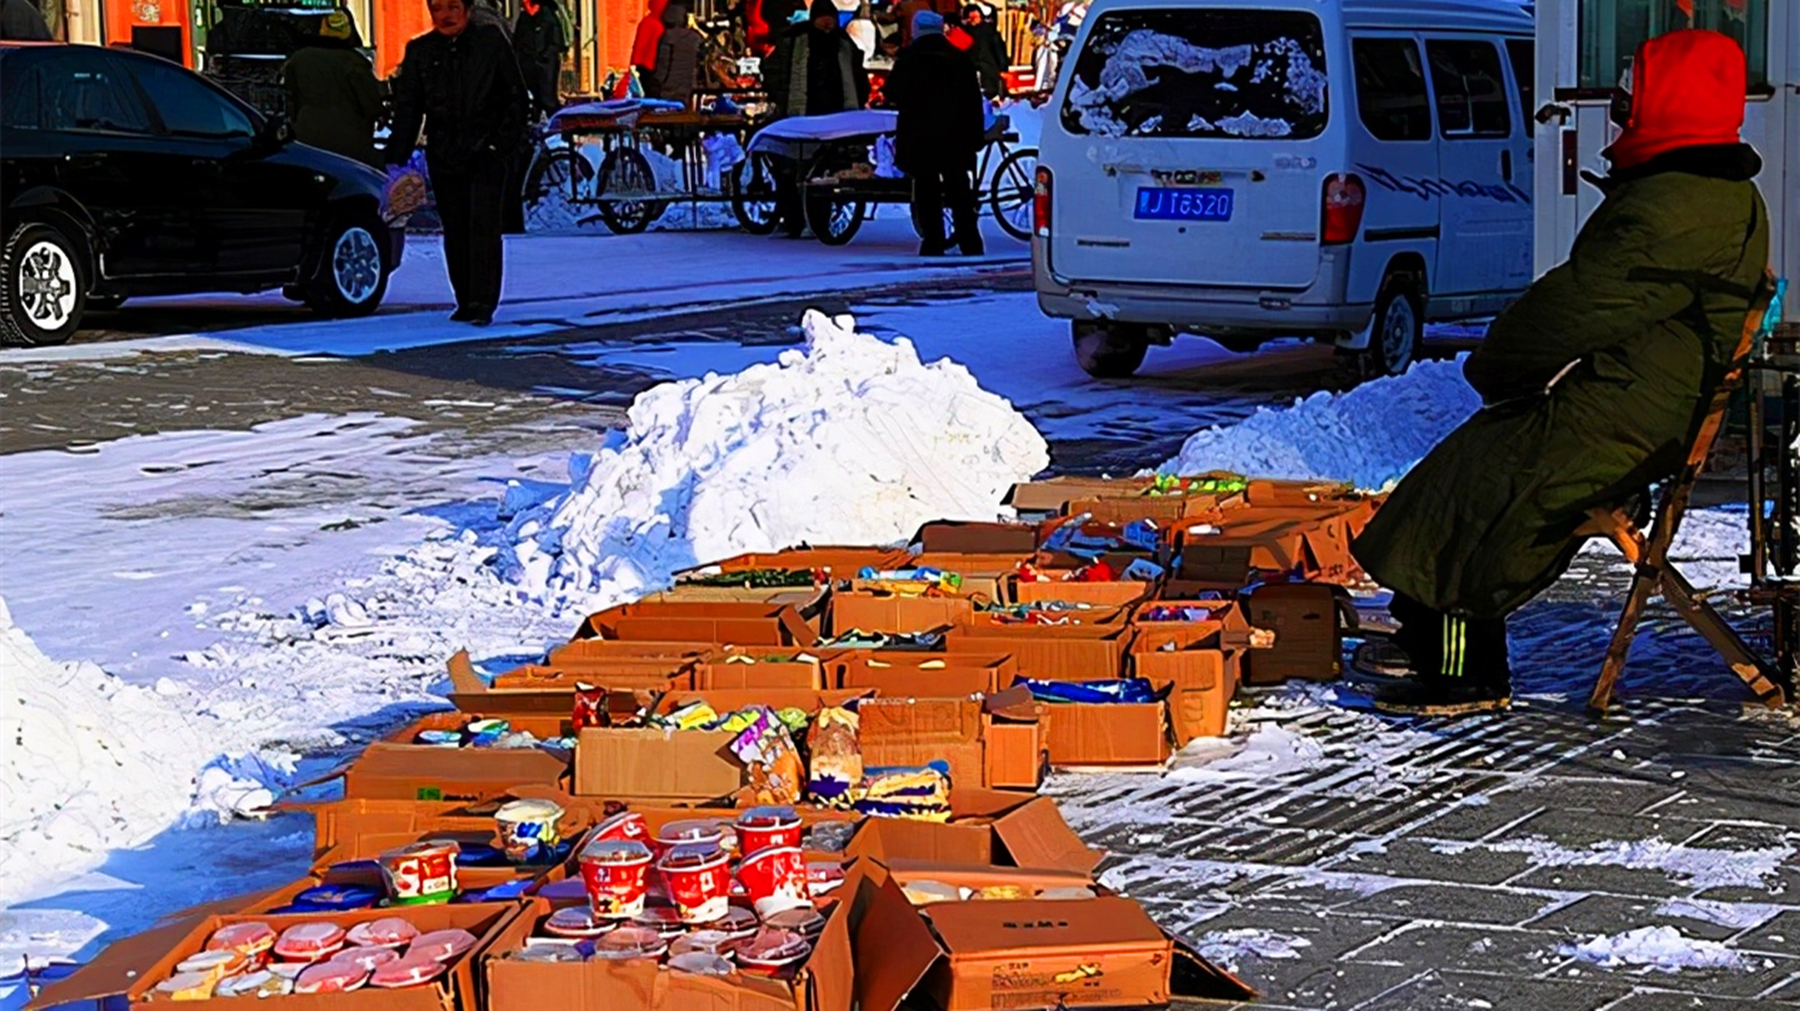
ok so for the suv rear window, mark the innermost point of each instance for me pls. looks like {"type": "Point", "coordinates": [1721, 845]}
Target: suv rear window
{"type": "Point", "coordinates": [1200, 73]}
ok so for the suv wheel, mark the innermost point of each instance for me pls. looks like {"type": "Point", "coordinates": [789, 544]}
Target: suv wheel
{"type": "Point", "coordinates": [1109, 350]}
{"type": "Point", "coordinates": [353, 270]}
{"type": "Point", "coordinates": [1399, 327]}
{"type": "Point", "coordinates": [45, 295]}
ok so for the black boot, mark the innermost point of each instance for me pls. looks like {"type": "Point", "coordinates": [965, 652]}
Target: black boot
{"type": "Point", "coordinates": [1465, 672]}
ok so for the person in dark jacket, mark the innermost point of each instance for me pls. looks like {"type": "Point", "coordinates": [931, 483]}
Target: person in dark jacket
{"type": "Point", "coordinates": [21, 21]}
{"type": "Point", "coordinates": [539, 43]}
{"type": "Point", "coordinates": [677, 71]}
{"type": "Point", "coordinates": [333, 99]}
{"type": "Point", "coordinates": [1592, 384]}
{"type": "Point", "coordinates": [988, 51]}
{"type": "Point", "coordinates": [937, 94]}
{"type": "Point", "coordinates": [814, 70]}
{"type": "Point", "coordinates": [461, 81]}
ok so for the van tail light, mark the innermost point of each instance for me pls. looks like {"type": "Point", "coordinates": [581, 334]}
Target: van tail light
{"type": "Point", "coordinates": [1343, 209]}
{"type": "Point", "coordinates": [1040, 204]}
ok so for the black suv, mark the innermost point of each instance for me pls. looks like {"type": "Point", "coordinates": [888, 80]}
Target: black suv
{"type": "Point", "coordinates": [123, 174]}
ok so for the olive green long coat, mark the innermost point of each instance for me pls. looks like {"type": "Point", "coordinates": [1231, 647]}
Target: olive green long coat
{"type": "Point", "coordinates": [1650, 308]}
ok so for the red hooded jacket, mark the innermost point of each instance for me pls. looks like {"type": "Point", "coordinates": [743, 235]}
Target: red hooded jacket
{"type": "Point", "coordinates": [649, 36]}
{"type": "Point", "coordinates": [1687, 90]}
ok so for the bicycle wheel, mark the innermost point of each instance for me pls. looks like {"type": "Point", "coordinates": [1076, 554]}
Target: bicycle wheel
{"type": "Point", "coordinates": [626, 187]}
{"type": "Point", "coordinates": [1014, 193]}
{"type": "Point", "coordinates": [753, 195]}
{"type": "Point", "coordinates": [833, 219]}
{"type": "Point", "coordinates": [554, 181]}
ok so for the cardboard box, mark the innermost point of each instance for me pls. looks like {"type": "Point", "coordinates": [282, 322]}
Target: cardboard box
{"type": "Point", "coordinates": [1203, 660]}
{"type": "Point", "coordinates": [977, 538]}
{"type": "Point", "coordinates": [1018, 741]}
{"type": "Point", "coordinates": [1051, 496]}
{"type": "Point", "coordinates": [652, 763]}
{"type": "Point", "coordinates": [1109, 594]}
{"type": "Point", "coordinates": [734, 669]}
{"type": "Point", "coordinates": [1001, 953]}
{"type": "Point", "coordinates": [912, 732]}
{"type": "Point", "coordinates": [983, 575]}
{"type": "Point", "coordinates": [133, 967]}
{"type": "Point", "coordinates": [722, 624]}
{"type": "Point", "coordinates": [986, 827]}
{"type": "Point", "coordinates": [906, 674]}
{"type": "Point", "coordinates": [1050, 652]}
{"type": "Point", "coordinates": [823, 983]}
{"type": "Point", "coordinates": [413, 772]}
{"type": "Point", "coordinates": [841, 561]}
{"type": "Point", "coordinates": [1131, 735]}
{"type": "Point", "coordinates": [544, 691]}
{"type": "Point", "coordinates": [894, 614]}
{"type": "Point", "coordinates": [1308, 643]}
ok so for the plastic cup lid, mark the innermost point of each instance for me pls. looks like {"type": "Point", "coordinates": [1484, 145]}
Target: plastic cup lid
{"type": "Point", "coordinates": [692, 830]}
{"type": "Point", "coordinates": [702, 963]}
{"type": "Point", "coordinates": [368, 959]}
{"type": "Point", "coordinates": [771, 946]}
{"type": "Point", "coordinates": [331, 977]}
{"type": "Point", "coordinates": [529, 809]}
{"type": "Point", "coordinates": [801, 919]}
{"type": "Point", "coordinates": [691, 858]}
{"type": "Point", "coordinates": [737, 922]}
{"type": "Point", "coordinates": [442, 945]}
{"type": "Point", "coordinates": [716, 942]}
{"type": "Point", "coordinates": [616, 851]}
{"type": "Point", "coordinates": [577, 921]}
{"type": "Point", "coordinates": [244, 936]}
{"type": "Point", "coordinates": [630, 942]}
{"type": "Point", "coordinates": [409, 971]}
{"type": "Point", "coordinates": [309, 938]}
{"type": "Point", "coordinates": [386, 932]}
{"type": "Point", "coordinates": [769, 817]}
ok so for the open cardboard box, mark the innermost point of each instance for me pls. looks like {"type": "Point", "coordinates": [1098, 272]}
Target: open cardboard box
{"type": "Point", "coordinates": [1109, 735]}
{"type": "Point", "coordinates": [397, 768]}
{"type": "Point", "coordinates": [891, 613]}
{"type": "Point", "coordinates": [984, 574]}
{"type": "Point", "coordinates": [1018, 953]}
{"type": "Point", "coordinates": [1017, 739]}
{"type": "Point", "coordinates": [551, 691]}
{"type": "Point", "coordinates": [906, 674]}
{"type": "Point", "coordinates": [911, 732]}
{"type": "Point", "coordinates": [610, 657]}
{"type": "Point", "coordinates": [1051, 496]}
{"type": "Point", "coordinates": [753, 668]}
{"type": "Point", "coordinates": [133, 967]}
{"type": "Point", "coordinates": [975, 538]}
{"type": "Point", "coordinates": [1308, 641]}
{"type": "Point", "coordinates": [1203, 660]}
{"type": "Point", "coordinates": [824, 982]}
{"type": "Point", "coordinates": [1050, 652]}
{"type": "Point", "coordinates": [842, 562]}
{"type": "Point", "coordinates": [1105, 594]}
{"type": "Point", "coordinates": [722, 624]}
{"type": "Point", "coordinates": [987, 827]}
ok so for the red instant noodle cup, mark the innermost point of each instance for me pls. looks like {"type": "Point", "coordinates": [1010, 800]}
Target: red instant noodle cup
{"type": "Point", "coordinates": [775, 880]}
{"type": "Point", "coordinates": [699, 882]}
{"type": "Point", "coordinates": [614, 872]}
{"type": "Point", "coordinates": [626, 826]}
{"type": "Point", "coordinates": [696, 833]}
{"type": "Point", "coordinates": [767, 828]}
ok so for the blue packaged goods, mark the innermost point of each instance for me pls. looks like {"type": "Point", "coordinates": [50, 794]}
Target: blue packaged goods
{"type": "Point", "coordinates": [1118, 690]}
{"type": "Point", "coordinates": [336, 898]}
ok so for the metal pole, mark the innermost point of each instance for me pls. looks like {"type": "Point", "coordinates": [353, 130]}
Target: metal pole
{"type": "Point", "coordinates": [1787, 513]}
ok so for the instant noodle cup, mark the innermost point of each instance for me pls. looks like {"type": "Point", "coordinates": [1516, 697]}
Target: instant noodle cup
{"type": "Point", "coordinates": [695, 833]}
{"type": "Point", "coordinates": [772, 952]}
{"type": "Point", "coordinates": [577, 922]}
{"type": "Point", "coordinates": [662, 919]}
{"type": "Point", "coordinates": [547, 949]}
{"type": "Point", "coordinates": [615, 873]}
{"type": "Point", "coordinates": [629, 942]}
{"type": "Point", "coordinates": [331, 977]}
{"type": "Point", "coordinates": [765, 828]}
{"type": "Point", "coordinates": [253, 939]}
{"type": "Point", "coordinates": [775, 880]}
{"type": "Point", "coordinates": [185, 986]}
{"type": "Point", "coordinates": [443, 945]}
{"type": "Point", "coordinates": [387, 932]}
{"type": "Point", "coordinates": [803, 920]}
{"type": "Point", "coordinates": [215, 965]}
{"type": "Point", "coordinates": [528, 829]}
{"type": "Point", "coordinates": [626, 826]}
{"type": "Point", "coordinates": [309, 942]}
{"type": "Point", "coordinates": [737, 922]}
{"type": "Point", "coordinates": [420, 874]}
{"type": "Point", "coordinates": [699, 882]}
{"type": "Point", "coordinates": [261, 983]}
{"type": "Point", "coordinates": [409, 971]}
{"type": "Point", "coordinates": [823, 876]}
{"type": "Point", "coordinates": [367, 959]}
{"type": "Point", "coordinates": [702, 963]}
{"type": "Point", "coordinates": [712, 942]}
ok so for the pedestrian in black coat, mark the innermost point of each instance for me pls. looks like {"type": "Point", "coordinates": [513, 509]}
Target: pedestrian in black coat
{"type": "Point", "coordinates": [539, 42]}
{"type": "Point", "coordinates": [677, 71]}
{"type": "Point", "coordinates": [815, 69]}
{"type": "Point", "coordinates": [937, 94]}
{"type": "Point", "coordinates": [461, 82]}
{"type": "Point", "coordinates": [989, 50]}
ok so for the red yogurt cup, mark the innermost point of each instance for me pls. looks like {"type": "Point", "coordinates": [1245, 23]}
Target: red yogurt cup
{"type": "Point", "coordinates": [767, 828]}
{"type": "Point", "coordinates": [615, 873]}
{"type": "Point", "coordinates": [775, 880]}
{"type": "Point", "coordinates": [699, 883]}
{"type": "Point", "coordinates": [626, 826]}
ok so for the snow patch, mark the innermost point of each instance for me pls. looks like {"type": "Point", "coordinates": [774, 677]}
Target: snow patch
{"type": "Point", "coordinates": [1371, 435]}
{"type": "Point", "coordinates": [1698, 867]}
{"type": "Point", "coordinates": [1662, 949]}
{"type": "Point", "coordinates": [1230, 947]}
{"type": "Point", "coordinates": [848, 439]}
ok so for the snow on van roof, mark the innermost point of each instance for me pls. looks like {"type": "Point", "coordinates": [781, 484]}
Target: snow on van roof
{"type": "Point", "coordinates": [1513, 17]}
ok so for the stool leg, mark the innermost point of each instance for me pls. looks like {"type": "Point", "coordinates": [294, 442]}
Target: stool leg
{"type": "Point", "coordinates": [1642, 584]}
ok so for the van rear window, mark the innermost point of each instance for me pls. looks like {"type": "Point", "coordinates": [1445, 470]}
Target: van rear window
{"type": "Point", "coordinates": [1200, 72]}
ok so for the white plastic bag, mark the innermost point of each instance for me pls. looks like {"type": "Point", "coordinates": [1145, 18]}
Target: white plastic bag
{"type": "Point", "coordinates": [723, 153]}
{"type": "Point", "coordinates": [883, 157]}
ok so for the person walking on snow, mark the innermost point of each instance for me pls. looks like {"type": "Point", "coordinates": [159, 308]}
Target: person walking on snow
{"type": "Point", "coordinates": [539, 42]}
{"type": "Point", "coordinates": [814, 70]}
{"type": "Point", "coordinates": [988, 49]}
{"type": "Point", "coordinates": [1592, 384]}
{"type": "Point", "coordinates": [644, 45]}
{"type": "Point", "coordinates": [333, 99]}
{"type": "Point", "coordinates": [935, 91]}
{"type": "Point", "coordinates": [461, 82]}
{"type": "Point", "coordinates": [677, 71]}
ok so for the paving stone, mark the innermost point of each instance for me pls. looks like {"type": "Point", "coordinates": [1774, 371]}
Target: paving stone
{"type": "Point", "coordinates": [1787, 992]}
{"type": "Point", "coordinates": [1616, 914]}
{"type": "Point", "coordinates": [1757, 976]}
{"type": "Point", "coordinates": [1605, 880]}
{"type": "Point", "coordinates": [1779, 936]}
{"type": "Point", "coordinates": [1666, 1001]}
{"type": "Point", "coordinates": [1580, 830]}
{"type": "Point", "coordinates": [1472, 949]}
{"type": "Point", "coordinates": [1469, 822]}
{"type": "Point", "coordinates": [1339, 986]}
{"type": "Point", "coordinates": [1607, 795]}
{"type": "Point", "coordinates": [1419, 859]}
{"type": "Point", "coordinates": [1453, 904]}
{"type": "Point", "coordinates": [1462, 991]}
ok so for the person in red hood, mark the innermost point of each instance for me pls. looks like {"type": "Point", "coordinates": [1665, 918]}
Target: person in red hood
{"type": "Point", "coordinates": [1592, 385]}
{"type": "Point", "coordinates": [644, 45]}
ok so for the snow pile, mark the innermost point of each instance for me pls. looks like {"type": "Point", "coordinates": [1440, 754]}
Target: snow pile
{"type": "Point", "coordinates": [1371, 435]}
{"type": "Point", "coordinates": [91, 764]}
{"type": "Point", "coordinates": [1229, 948]}
{"type": "Point", "coordinates": [849, 439]}
{"type": "Point", "coordinates": [1663, 949]}
{"type": "Point", "coordinates": [1698, 867]}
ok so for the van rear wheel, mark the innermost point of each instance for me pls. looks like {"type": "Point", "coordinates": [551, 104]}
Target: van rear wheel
{"type": "Point", "coordinates": [1399, 327]}
{"type": "Point", "coordinates": [1109, 350]}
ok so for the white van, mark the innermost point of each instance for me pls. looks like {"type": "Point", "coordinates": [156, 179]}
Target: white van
{"type": "Point", "coordinates": [1343, 170]}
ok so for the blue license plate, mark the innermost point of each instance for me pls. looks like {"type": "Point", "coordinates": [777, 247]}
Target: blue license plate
{"type": "Point", "coordinates": [1156, 203]}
